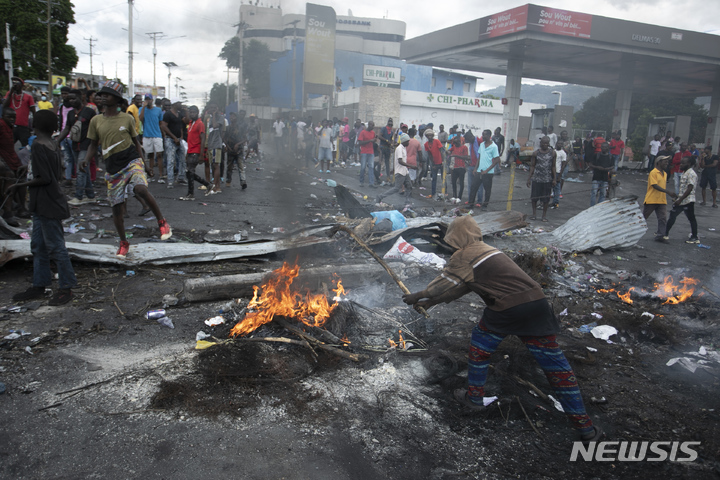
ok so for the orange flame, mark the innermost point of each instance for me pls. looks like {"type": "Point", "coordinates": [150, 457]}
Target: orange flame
{"type": "Point", "coordinates": [400, 343]}
{"type": "Point", "coordinates": [278, 299]}
{"type": "Point", "coordinates": [673, 293]}
{"type": "Point", "coordinates": [345, 339]}
{"type": "Point", "coordinates": [668, 290]}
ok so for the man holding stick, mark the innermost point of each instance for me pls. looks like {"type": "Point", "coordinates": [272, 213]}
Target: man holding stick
{"type": "Point", "coordinates": [516, 305]}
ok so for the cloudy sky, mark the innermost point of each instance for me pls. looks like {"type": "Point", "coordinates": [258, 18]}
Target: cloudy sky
{"type": "Point", "coordinates": [196, 31]}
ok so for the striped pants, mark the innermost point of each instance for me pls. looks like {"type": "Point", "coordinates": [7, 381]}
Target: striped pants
{"type": "Point", "coordinates": [551, 359]}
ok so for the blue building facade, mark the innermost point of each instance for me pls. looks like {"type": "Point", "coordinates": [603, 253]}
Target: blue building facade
{"type": "Point", "coordinates": [349, 70]}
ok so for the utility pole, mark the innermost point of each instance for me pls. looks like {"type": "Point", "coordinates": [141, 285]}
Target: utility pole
{"type": "Point", "coordinates": [154, 36]}
{"type": "Point", "coordinates": [227, 88]}
{"type": "Point", "coordinates": [294, 43]}
{"type": "Point", "coordinates": [241, 30]}
{"type": "Point", "coordinates": [130, 49]}
{"type": "Point", "coordinates": [90, 42]}
{"type": "Point", "coordinates": [170, 66]}
{"type": "Point", "coordinates": [7, 53]}
{"type": "Point", "coordinates": [49, 49]}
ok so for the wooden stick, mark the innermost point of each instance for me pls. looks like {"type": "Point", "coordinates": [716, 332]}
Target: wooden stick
{"type": "Point", "coordinates": [526, 416]}
{"type": "Point", "coordinates": [379, 260]}
{"type": "Point", "coordinates": [711, 292]}
{"type": "Point", "coordinates": [526, 383]}
{"type": "Point", "coordinates": [317, 343]}
{"type": "Point", "coordinates": [89, 385]}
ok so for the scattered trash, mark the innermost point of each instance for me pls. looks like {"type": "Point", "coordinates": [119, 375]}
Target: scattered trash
{"type": "Point", "coordinates": [84, 240]}
{"type": "Point", "coordinates": [203, 344]}
{"type": "Point", "coordinates": [130, 273]}
{"type": "Point", "coordinates": [557, 405]}
{"type": "Point", "coordinates": [603, 332]}
{"type": "Point", "coordinates": [587, 328]}
{"type": "Point", "coordinates": [155, 314]}
{"type": "Point", "coordinates": [488, 400]}
{"type": "Point", "coordinates": [397, 218]}
{"type": "Point", "coordinates": [564, 313]}
{"type": "Point", "coordinates": [592, 349]}
{"type": "Point", "coordinates": [702, 351]}
{"type": "Point", "coordinates": [663, 263]}
{"type": "Point", "coordinates": [214, 321]}
{"type": "Point", "coordinates": [711, 229]}
{"type": "Point", "coordinates": [166, 322]}
{"type": "Point", "coordinates": [313, 196]}
{"type": "Point", "coordinates": [331, 183]}
{"type": "Point", "coordinates": [29, 350]}
{"type": "Point", "coordinates": [201, 336]}
{"type": "Point", "coordinates": [228, 307]}
{"type": "Point", "coordinates": [12, 336]}
{"type": "Point", "coordinates": [25, 236]}
{"type": "Point", "coordinates": [688, 363]}
{"type": "Point", "coordinates": [648, 314]}
{"type": "Point", "coordinates": [700, 245]}
{"type": "Point", "coordinates": [278, 230]}
{"type": "Point", "coordinates": [598, 401]}
{"type": "Point", "coordinates": [402, 250]}
{"type": "Point", "coordinates": [596, 315]}
{"type": "Point", "coordinates": [169, 301]}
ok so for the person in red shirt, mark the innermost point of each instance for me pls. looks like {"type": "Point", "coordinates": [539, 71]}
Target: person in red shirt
{"type": "Point", "coordinates": [597, 143]}
{"type": "Point", "coordinates": [23, 103]}
{"type": "Point", "coordinates": [675, 165]}
{"type": "Point", "coordinates": [11, 167]}
{"type": "Point", "coordinates": [459, 157]}
{"type": "Point", "coordinates": [616, 148]}
{"type": "Point", "coordinates": [196, 145]}
{"type": "Point", "coordinates": [365, 140]}
{"type": "Point", "coordinates": [414, 153]}
{"type": "Point", "coordinates": [434, 146]}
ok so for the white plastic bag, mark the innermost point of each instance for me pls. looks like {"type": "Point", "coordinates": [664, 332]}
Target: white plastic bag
{"type": "Point", "coordinates": [402, 250]}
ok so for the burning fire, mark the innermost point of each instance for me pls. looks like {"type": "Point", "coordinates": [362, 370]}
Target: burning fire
{"type": "Point", "coordinates": [400, 343]}
{"type": "Point", "coordinates": [278, 299]}
{"type": "Point", "coordinates": [672, 293]}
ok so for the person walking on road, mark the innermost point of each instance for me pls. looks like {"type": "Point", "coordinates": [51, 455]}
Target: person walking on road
{"type": "Point", "coordinates": [115, 132]}
{"type": "Point", "coordinates": [655, 197]}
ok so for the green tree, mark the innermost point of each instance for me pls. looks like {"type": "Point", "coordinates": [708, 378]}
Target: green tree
{"type": "Point", "coordinates": [597, 113]}
{"type": "Point", "coordinates": [256, 64]}
{"type": "Point", "coordinates": [217, 94]}
{"type": "Point", "coordinates": [29, 38]}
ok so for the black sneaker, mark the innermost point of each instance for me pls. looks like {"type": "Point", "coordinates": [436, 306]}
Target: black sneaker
{"type": "Point", "coordinates": [63, 296]}
{"type": "Point", "coordinates": [30, 294]}
{"type": "Point", "coordinates": [593, 436]}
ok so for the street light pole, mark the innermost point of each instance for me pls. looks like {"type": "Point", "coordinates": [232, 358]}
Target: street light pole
{"type": "Point", "coordinates": [170, 66]}
{"type": "Point", "coordinates": [559, 94]}
{"type": "Point", "coordinates": [154, 36]}
{"type": "Point", "coordinates": [130, 50]}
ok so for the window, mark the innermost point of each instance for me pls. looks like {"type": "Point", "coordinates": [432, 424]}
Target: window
{"type": "Point", "coordinates": [432, 84]}
{"type": "Point", "coordinates": [449, 84]}
{"type": "Point", "coordinates": [466, 87]}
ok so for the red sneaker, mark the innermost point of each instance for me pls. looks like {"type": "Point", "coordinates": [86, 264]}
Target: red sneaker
{"type": "Point", "coordinates": [123, 250]}
{"type": "Point", "coordinates": [165, 230]}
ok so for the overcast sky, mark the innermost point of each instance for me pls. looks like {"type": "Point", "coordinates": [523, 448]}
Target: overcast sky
{"type": "Point", "coordinates": [196, 31]}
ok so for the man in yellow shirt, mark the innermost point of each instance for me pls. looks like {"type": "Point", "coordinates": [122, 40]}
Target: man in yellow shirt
{"type": "Point", "coordinates": [655, 198]}
{"type": "Point", "coordinates": [134, 110]}
{"type": "Point", "coordinates": [43, 104]}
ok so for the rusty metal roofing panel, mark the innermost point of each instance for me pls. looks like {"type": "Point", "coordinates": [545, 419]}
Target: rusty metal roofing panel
{"type": "Point", "coordinates": [616, 223]}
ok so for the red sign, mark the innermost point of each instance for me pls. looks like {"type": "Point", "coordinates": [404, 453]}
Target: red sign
{"type": "Point", "coordinates": [560, 22]}
{"type": "Point", "coordinates": [504, 23]}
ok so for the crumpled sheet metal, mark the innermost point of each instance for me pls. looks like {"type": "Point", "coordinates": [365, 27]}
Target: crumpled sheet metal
{"type": "Point", "coordinates": [616, 223]}
{"type": "Point", "coordinates": [160, 253]}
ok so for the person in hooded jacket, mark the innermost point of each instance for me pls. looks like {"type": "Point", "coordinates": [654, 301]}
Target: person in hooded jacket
{"type": "Point", "coordinates": [516, 305]}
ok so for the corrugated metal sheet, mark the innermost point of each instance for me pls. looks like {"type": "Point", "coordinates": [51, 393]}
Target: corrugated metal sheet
{"type": "Point", "coordinates": [616, 223]}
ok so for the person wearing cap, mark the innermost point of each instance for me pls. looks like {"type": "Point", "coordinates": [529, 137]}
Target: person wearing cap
{"type": "Point", "coordinates": [402, 170]}
{"type": "Point", "coordinates": [515, 305]}
{"type": "Point", "coordinates": [125, 170]}
{"type": "Point", "coordinates": [23, 104]}
{"type": "Point", "coordinates": [152, 142]}
{"type": "Point", "coordinates": [43, 104]}
{"type": "Point", "coordinates": [173, 126]}
{"type": "Point", "coordinates": [655, 197]}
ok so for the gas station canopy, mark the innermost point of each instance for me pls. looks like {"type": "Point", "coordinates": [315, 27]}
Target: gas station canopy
{"type": "Point", "coordinates": [577, 48]}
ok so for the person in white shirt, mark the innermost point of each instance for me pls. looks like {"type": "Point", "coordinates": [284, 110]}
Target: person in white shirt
{"type": "Point", "coordinates": [402, 170]}
{"type": "Point", "coordinates": [552, 136]}
{"type": "Point", "coordinates": [561, 163]}
{"type": "Point", "coordinates": [652, 153]}
{"type": "Point", "coordinates": [279, 127]}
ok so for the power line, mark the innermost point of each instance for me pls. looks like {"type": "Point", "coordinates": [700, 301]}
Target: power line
{"type": "Point", "coordinates": [91, 44]}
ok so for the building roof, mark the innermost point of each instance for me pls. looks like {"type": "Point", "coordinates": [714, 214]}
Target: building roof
{"type": "Point", "coordinates": [564, 46]}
